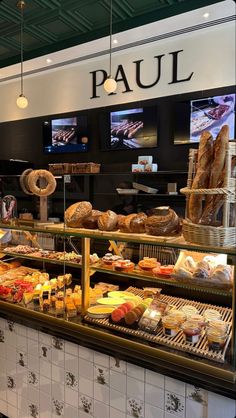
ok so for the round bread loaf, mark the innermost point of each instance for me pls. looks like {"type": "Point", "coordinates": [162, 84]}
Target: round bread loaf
{"type": "Point", "coordinates": [124, 224]}
{"type": "Point", "coordinates": [42, 177]}
{"type": "Point", "coordinates": [91, 222]}
{"type": "Point", "coordinates": [76, 213]}
{"type": "Point", "coordinates": [24, 181]}
{"type": "Point", "coordinates": [108, 221]}
{"type": "Point", "coordinates": [137, 223]}
{"type": "Point", "coordinates": [162, 225]}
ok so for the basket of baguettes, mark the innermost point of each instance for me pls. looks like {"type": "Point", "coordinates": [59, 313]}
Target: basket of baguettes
{"type": "Point", "coordinates": [210, 217]}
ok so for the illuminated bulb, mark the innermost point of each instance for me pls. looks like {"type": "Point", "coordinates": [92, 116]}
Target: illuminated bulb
{"type": "Point", "coordinates": [110, 85]}
{"type": "Point", "coordinates": [48, 60]}
{"type": "Point", "coordinates": [22, 102]}
{"type": "Point", "coordinates": [206, 15]}
{"type": "Point", "coordinates": [115, 41]}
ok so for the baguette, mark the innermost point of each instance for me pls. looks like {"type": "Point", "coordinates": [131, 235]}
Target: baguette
{"type": "Point", "coordinates": [217, 177]}
{"type": "Point", "coordinates": [201, 179]}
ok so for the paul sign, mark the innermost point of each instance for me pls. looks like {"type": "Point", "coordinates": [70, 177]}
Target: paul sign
{"type": "Point", "coordinates": [99, 76]}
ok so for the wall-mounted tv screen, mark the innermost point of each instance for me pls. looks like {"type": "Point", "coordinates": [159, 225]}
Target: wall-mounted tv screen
{"type": "Point", "coordinates": [133, 128]}
{"type": "Point", "coordinates": [66, 135]}
{"type": "Point", "coordinates": [206, 114]}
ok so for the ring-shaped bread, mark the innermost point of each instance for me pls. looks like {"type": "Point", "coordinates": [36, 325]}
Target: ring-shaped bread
{"type": "Point", "coordinates": [48, 177]}
{"type": "Point", "coordinates": [24, 181]}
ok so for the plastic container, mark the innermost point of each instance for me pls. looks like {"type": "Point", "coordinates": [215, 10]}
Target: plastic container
{"type": "Point", "coordinates": [211, 314]}
{"type": "Point", "coordinates": [199, 319]}
{"type": "Point", "coordinates": [170, 325]}
{"type": "Point", "coordinates": [189, 310]}
{"type": "Point", "coordinates": [192, 331]}
{"type": "Point", "coordinates": [216, 338]}
{"type": "Point", "coordinates": [178, 315]}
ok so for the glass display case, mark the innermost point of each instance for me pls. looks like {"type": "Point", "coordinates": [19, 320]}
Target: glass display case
{"type": "Point", "coordinates": [162, 302]}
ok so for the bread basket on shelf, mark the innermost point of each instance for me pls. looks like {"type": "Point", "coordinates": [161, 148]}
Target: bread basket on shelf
{"type": "Point", "coordinates": [224, 233]}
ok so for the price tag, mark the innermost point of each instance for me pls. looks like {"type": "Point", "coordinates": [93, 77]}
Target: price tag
{"type": "Point", "coordinates": [67, 178]}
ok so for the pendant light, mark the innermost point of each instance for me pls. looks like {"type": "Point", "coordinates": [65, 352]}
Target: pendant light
{"type": "Point", "coordinates": [110, 85]}
{"type": "Point", "coordinates": [22, 101]}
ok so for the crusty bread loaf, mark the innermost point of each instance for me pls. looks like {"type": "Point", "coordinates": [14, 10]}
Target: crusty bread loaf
{"type": "Point", "coordinates": [91, 222]}
{"type": "Point", "coordinates": [137, 223]}
{"type": "Point", "coordinates": [201, 179]}
{"type": "Point", "coordinates": [124, 223]}
{"type": "Point", "coordinates": [162, 225]}
{"type": "Point", "coordinates": [214, 203]}
{"type": "Point", "coordinates": [107, 221]}
{"type": "Point", "coordinates": [76, 213]}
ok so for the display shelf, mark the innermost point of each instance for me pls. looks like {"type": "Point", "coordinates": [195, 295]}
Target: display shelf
{"type": "Point", "coordinates": [171, 242]}
{"type": "Point", "coordinates": [138, 275]}
{"type": "Point", "coordinates": [140, 194]}
{"type": "Point", "coordinates": [43, 259]}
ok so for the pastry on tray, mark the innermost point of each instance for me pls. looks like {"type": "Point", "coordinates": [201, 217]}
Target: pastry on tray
{"type": "Point", "coordinates": [125, 266]}
{"type": "Point", "coordinates": [148, 264]}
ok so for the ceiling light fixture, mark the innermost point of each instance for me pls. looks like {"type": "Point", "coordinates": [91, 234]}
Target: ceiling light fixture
{"type": "Point", "coordinates": [22, 101]}
{"type": "Point", "coordinates": [110, 85]}
{"type": "Point", "coordinates": [48, 60]}
{"type": "Point", "coordinates": [206, 15]}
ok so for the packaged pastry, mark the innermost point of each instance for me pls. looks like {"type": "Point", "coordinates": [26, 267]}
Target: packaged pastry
{"type": "Point", "coordinates": [216, 338]}
{"type": "Point", "coordinates": [170, 325]}
{"type": "Point", "coordinates": [148, 264]}
{"type": "Point", "coordinates": [211, 314]}
{"type": "Point", "coordinates": [192, 331]}
{"type": "Point", "coordinates": [199, 319]}
{"type": "Point", "coordinates": [180, 316]}
{"type": "Point", "coordinates": [150, 320]}
{"type": "Point", "coordinates": [151, 292]}
{"type": "Point", "coordinates": [59, 307]}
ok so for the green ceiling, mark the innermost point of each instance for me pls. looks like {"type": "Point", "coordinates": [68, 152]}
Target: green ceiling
{"type": "Point", "coordinates": [52, 25]}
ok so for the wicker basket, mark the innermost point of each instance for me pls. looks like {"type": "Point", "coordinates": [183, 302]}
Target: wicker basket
{"type": "Point", "coordinates": [216, 236]}
{"type": "Point", "coordinates": [60, 168]}
{"type": "Point", "coordinates": [86, 168]}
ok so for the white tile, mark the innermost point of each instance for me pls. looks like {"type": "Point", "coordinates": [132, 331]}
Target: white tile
{"type": "Point", "coordinates": [3, 407]}
{"type": "Point", "coordinates": [220, 406]}
{"type": "Point", "coordinates": [21, 330]}
{"type": "Point", "coordinates": [154, 396]}
{"type": "Point", "coordinates": [45, 368]}
{"type": "Point", "coordinates": [45, 385]}
{"type": "Point", "coordinates": [33, 395]}
{"type": "Point", "coordinates": [197, 394]}
{"type": "Point", "coordinates": [175, 386]}
{"type": "Point", "coordinates": [21, 343]}
{"type": "Point", "coordinates": [71, 380]}
{"type": "Point", "coordinates": [101, 410]}
{"type": "Point", "coordinates": [101, 359]}
{"type": "Point", "coordinates": [45, 402]}
{"type": "Point", "coordinates": [33, 378]}
{"type": "Point", "coordinates": [58, 374]}
{"type": "Point", "coordinates": [45, 338]}
{"type": "Point", "coordinates": [10, 338]}
{"type": "Point", "coordinates": [85, 406]}
{"type": "Point", "coordinates": [23, 404]}
{"type": "Point", "coordinates": [33, 363]}
{"type": "Point", "coordinates": [11, 411]}
{"type": "Point", "coordinates": [101, 375]}
{"type": "Point", "coordinates": [57, 407]}
{"type": "Point", "coordinates": [58, 343]}
{"type": "Point", "coordinates": [45, 352]}
{"type": "Point", "coordinates": [83, 414]}
{"type": "Point", "coordinates": [155, 379]}
{"type": "Point", "coordinates": [71, 397]}
{"type": "Point", "coordinates": [33, 334]}
{"type": "Point", "coordinates": [101, 393]}
{"type": "Point", "coordinates": [135, 407]}
{"type": "Point", "coordinates": [118, 400]}
{"type": "Point", "coordinates": [153, 412]}
{"type": "Point", "coordinates": [58, 391]}
{"type": "Point", "coordinates": [114, 413]}
{"type": "Point", "coordinates": [118, 381]}
{"type": "Point", "coordinates": [12, 398]}
{"type": "Point", "coordinates": [86, 353]}
{"type": "Point", "coordinates": [71, 348]}
{"type": "Point", "coordinates": [33, 347]}
{"type": "Point", "coordinates": [71, 362]}
{"type": "Point", "coordinates": [86, 386]}
{"type": "Point", "coordinates": [135, 371]}
{"type": "Point", "coordinates": [118, 365]}
{"type": "Point", "coordinates": [175, 404]}
{"type": "Point", "coordinates": [85, 369]}
{"type": "Point", "coordinates": [10, 367]}
{"type": "Point", "coordinates": [71, 412]}
{"type": "Point", "coordinates": [135, 388]}
{"type": "Point", "coordinates": [45, 414]}
{"type": "Point", "coordinates": [58, 357]}
{"type": "Point", "coordinates": [195, 410]}
{"type": "Point", "coordinates": [11, 353]}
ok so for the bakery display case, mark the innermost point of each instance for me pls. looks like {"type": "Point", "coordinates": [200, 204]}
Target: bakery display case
{"type": "Point", "coordinates": [170, 304]}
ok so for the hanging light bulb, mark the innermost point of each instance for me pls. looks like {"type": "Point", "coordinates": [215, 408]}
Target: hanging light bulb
{"type": "Point", "coordinates": [22, 101]}
{"type": "Point", "coordinates": [110, 85]}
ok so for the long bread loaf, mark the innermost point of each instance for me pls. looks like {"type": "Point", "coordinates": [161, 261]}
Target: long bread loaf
{"type": "Point", "coordinates": [217, 176]}
{"type": "Point", "coordinates": [201, 179]}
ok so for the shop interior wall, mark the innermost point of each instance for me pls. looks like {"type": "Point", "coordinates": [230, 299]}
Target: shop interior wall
{"type": "Point", "coordinates": [23, 139]}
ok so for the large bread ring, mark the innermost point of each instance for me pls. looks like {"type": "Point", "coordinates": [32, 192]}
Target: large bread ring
{"type": "Point", "coordinates": [24, 181]}
{"type": "Point", "coordinates": [162, 225]}
{"type": "Point", "coordinates": [49, 178]}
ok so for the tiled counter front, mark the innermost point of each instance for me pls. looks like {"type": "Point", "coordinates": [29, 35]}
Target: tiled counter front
{"type": "Point", "coordinates": [44, 377]}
